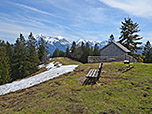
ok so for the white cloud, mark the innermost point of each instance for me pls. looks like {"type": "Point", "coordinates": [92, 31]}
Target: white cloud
{"type": "Point", "coordinates": [59, 4]}
{"type": "Point", "coordinates": [80, 12]}
{"type": "Point", "coordinates": [16, 24]}
{"type": "Point", "coordinates": [140, 8]}
{"type": "Point", "coordinates": [147, 36]}
{"type": "Point", "coordinates": [36, 10]}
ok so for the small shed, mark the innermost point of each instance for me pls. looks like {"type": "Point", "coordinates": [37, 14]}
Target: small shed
{"type": "Point", "coordinates": [114, 51]}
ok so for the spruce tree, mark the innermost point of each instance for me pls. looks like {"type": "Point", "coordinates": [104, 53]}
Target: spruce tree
{"type": "Point", "coordinates": [33, 59]}
{"type": "Point", "coordinates": [42, 51]}
{"type": "Point", "coordinates": [87, 52]}
{"type": "Point", "coordinates": [111, 39]}
{"type": "Point", "coordinates": [73, 50]}
{"type": "Point", "coordinates": [147, 52]}
{"type": "Point", "coordinates": [56, 53]}
{"type": "Point", "coordinates": [20, 59]}
{"type": "Point", "coordinates": [67, 53]}
{"type": "Point", "coordinates": [91, 51]}
{"type": "Point", "coordinates": [82, 46]}
{"type": "Point", "coordinates": [77, 54]}
{"type": "Point", "coordinates": [61, 53]}
{"type": "Point", "coordinates": [4, 65]}
{"type": "Point", "coordinates": [96, 50]}
{"type": "Point", "coordinates": [9, 49]}
{"type": "Point", "coordinates": [130, 37]}
{"type": "Point", "coordinates": [9, 53]}
{"type": "Point", "coordinates": [82, 59]}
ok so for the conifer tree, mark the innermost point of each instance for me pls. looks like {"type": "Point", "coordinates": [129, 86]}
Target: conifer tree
{"type": "Point", "coordinates": [33, 59]}
{"type": "Point", "coordinates": [82, 59]}
{"type": "Point", "coordinates": [88, 49]}
{"type": "Point", "coordinates": [9, 53]}
{"type": "Point", "coordinates": [20, 60]}
{"type": "Point", "coordinates": [61, 53]}
{"type": "Point", "coordinates": [147, 52]}
{"type": "Point", "coordinates": [96, 50]}
{"type": "Point", "coordinates": [4, 65]}
{"type": "Point", "coordinates": [82, 46]}
{"type": "Point", "coordinates": [78, 54]}
{"type": "Point", "coordinates": [67, 53]}
{"type": "Point", "coordinates": [42, 51]}
{"type": "Point", "coordinates": [9, 49]}
{"type": "Point", "coordinates": [130, 37]}
{"type": "Point", "coordinates": [87, 52]}
{"type": "Point", "coordinates": [91, 51]}
{"type": "Point", "coordinates": [56, 53]}
{"type": "Point", "coordinates": [111, 39]}
{"type": "Point", "coordinates": [73, 50]}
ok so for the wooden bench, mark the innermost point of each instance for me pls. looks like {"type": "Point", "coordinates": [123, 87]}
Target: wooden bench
{"type": "Point", "coordinates": [93, 75]}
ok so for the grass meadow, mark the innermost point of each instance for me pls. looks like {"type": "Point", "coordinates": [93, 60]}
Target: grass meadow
{"type": "Point", "coordinates": [115, 92]}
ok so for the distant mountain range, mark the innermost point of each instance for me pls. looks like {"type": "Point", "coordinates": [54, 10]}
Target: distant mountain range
{"type": "Point", "coordinates": [61, 43]}
{"type": "Point", "coordinates": [100, 44]}
{"type": "Point", "coordinates": [54, 42]}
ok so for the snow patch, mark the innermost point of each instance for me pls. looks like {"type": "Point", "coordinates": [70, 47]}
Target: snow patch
{"type": "Point", "coordinates": [50, 66]}
{"type": "Point", "coordinates": [52, 72]}
{"type": "Point", "coordinates": [41, 66]}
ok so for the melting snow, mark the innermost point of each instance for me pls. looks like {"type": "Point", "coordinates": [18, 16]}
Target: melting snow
{"type": "Point", "coordinates": [41, 66]}
{"type": "Point", "coordinates": [53, 71]}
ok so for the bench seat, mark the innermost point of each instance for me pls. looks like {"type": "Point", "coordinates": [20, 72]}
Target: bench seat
{"type": "Point", "coordinates": [93, 75]}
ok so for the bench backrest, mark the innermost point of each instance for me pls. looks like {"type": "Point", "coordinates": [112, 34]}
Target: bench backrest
{"type": "Point", "coordinates": [100, 67]}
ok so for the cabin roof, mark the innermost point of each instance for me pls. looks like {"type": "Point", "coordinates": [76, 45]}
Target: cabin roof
{"type": "Point", "coordinates": [118, 45]}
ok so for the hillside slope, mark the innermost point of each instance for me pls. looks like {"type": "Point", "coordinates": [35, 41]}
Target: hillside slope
{"type": "Point", "coordinates": [116, 92]}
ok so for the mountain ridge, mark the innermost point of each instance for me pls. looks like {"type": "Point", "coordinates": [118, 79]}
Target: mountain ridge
{"type": "Point", "coordinates": [61, 43]}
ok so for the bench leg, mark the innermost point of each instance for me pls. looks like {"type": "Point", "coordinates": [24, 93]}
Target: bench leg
{"type": "Point", "coordinates": [91, 81]}
{"type": "Point", "coordinates": [85, 82]}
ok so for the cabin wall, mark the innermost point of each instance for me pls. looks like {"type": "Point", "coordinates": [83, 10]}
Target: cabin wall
{"type": "Point", "coordinates": [98, 59]}
{"type": "Point", "coordinates": [112, 50]}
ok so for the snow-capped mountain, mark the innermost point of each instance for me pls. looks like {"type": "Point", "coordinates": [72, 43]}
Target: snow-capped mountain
{"type": "Point", "coordinates": [100, 44]}
{"type": "Point", "coordinates": [61, 43]}
{"type": "Point", "coordinates": [54, 42]}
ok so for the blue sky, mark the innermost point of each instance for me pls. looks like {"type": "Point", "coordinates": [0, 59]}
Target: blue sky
{"type": "Point", "coordinates": [73, 19]}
